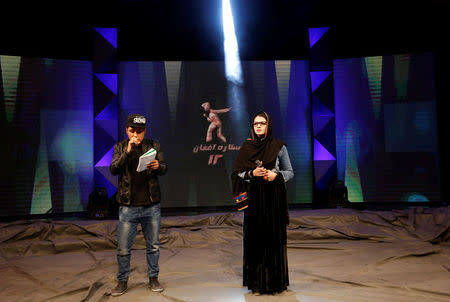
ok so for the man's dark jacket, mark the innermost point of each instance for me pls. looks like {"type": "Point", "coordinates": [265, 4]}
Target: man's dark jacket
{"type": "Point", "coordinates": [119, 166]}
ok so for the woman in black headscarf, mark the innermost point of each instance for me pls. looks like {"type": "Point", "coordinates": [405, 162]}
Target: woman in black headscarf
{"type": "Point", "coordinates": [259, 174]}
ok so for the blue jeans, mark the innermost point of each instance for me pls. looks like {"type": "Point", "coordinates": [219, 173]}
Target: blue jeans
{"type": "Point", "coordinates": [150, 219]}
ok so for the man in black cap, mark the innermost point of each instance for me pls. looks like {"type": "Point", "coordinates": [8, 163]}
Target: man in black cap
{"type": "Point", "coordinates": [139, 198]}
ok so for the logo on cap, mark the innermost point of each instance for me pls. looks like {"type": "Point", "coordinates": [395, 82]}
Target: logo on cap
{"type": "Point", "coordinates": [139, 120]}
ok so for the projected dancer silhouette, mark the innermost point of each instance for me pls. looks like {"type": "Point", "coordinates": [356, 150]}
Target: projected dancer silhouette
{"type": "Point", "coordinates": [212, 115]}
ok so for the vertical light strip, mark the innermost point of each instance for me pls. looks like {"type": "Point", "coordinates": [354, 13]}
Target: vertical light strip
{"type": "Point", "coordinates": [401, 75]}
{"type": "Point", "coordinates": [42, 199]}
{"type": "Point", "coordinates": [374, 66]}
{"type": "Point", "coordinates": [173, 70]}
{"type": "Point", "coordinates": [233, 74]}
{"type": "Point", "coordinates": [232, 62]}
{"type": "Point", "coordinates": [283, 70]}
{"type": "Point", "coordinates": [10, 73]}
{"type": "Point", "coordinates": [352, 177]}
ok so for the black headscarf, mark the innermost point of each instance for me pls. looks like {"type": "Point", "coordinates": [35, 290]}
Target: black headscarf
{"type": "Point", "coordinates": [265, 149]}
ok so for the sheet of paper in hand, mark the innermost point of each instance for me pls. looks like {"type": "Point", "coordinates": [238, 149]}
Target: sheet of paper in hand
{"type": "Point", "coordinates": [145, 159]}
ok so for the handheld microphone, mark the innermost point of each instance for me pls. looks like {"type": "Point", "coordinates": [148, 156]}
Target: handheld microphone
{"type": "Point", "coordinates": [259, 164]}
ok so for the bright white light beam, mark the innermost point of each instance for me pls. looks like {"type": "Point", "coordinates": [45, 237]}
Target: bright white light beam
{"type": "Point", "coordinates": [233, 69]}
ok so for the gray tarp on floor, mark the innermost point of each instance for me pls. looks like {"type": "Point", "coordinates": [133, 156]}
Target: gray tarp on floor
{"type": "Point", "coordinates": [334, 255]}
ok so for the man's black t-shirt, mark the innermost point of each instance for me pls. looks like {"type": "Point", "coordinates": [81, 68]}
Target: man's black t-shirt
{"type": "Point", "coordinates": [140, 195]}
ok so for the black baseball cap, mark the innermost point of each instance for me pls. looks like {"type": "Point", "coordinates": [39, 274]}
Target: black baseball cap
{"type": "Point", "coordinates": [136, 120]}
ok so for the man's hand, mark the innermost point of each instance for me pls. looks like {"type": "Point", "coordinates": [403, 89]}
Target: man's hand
{"type": "Point", "coordinates": [153, 165]}
{"type": "Point", "coordinates": [132, 141]}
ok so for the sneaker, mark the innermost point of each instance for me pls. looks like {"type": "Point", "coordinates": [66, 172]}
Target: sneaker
{"type": "Point", "coordinates": [155, 286]}
{"type": "Point", "coordinates": [119, 289]}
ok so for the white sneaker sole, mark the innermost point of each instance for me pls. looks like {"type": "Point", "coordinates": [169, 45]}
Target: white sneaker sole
{"type": "Point", "coordinates": [118, 294]}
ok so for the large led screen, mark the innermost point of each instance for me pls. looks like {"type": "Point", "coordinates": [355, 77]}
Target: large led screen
{"type": "Point", "coordinates": [46, 154]}
{"type": "Point", "coordinates": [386, 129]}
{"type": "Point", "coordinates": [175, 96]}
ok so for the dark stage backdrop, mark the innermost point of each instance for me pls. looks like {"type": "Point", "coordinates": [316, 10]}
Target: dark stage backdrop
{"type": "Point", "coordinates": [46, 120]}
{"type": "Point", "coordinates": [386, 128]}
{"type": "Point", "coordinates": [171, 94]}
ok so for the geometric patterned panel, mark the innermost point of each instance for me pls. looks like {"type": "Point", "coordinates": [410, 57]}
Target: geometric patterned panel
{"type": "Point", "coordinates": [322, 104]}
{"type": "Point", "coordinates": [105, 105]}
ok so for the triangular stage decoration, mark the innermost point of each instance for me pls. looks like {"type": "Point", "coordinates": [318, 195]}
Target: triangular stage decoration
{"type": "Point", "coordinates": [321, 153]}
{"type": "Point", "coordinates": [315, 34]}
{"type": "Point", "coordinates": [109, 80]}
{"type": "Point", "coordinates": [110, 111]}
{"type": "Point", "coordinates": [103, 167]}
{"type": "Point", "coordinates": [321, 115]}
{"type": "Point", "coordinates": [110, 35]}
{"type": "Point", "coordinates": [108, 119]}
{"type": "Point", "coordinates": [110, 126]}
{"type": "Point", "coordinates": [317, 78]}
{"type": "Point", "coordinates": [328, 177]}
{"type": "Point", "coordinates": [321, 167]}
{"type": "Point", "coordinates": [327, 137]}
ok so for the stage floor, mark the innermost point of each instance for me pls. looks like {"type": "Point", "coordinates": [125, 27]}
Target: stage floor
{"type": "Point", "coordinates": [334, 255]}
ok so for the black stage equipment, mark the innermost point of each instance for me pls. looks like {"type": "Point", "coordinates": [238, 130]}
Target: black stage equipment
{"type": "Point", "coordinates": [98, 205]}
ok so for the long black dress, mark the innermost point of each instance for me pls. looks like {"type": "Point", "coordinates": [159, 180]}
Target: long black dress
{"type": "Point", "coordinates": [265, 257]}
{"type": "Point", "coordinates": [265, 267]}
